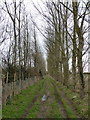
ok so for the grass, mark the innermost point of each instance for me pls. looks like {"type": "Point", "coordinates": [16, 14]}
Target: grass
{"type": "Point", "coordinates": [35, 110]}
{"type": "Point", "coordinates": [81, 104]}
{"type": "Point", "coordinates": [55, 110]}
{"type": "Point", "coordinates": [20, 102]}
{"type": "Point", "coordinates": [0, 114]}
{"type": "Point", "coordinates": [70, 113]}
{"type": "Point", "coordinates": [36, 107]}
{"type": "Point", "coordinates": [67, 107]}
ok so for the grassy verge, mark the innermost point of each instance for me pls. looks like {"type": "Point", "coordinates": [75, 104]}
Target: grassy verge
{"type": "Point", "coordinates": [81, 104]}
{"type": "Point", "coordinates": [0, 114]}
{"type": "Point", "coordinates": [17, 106]}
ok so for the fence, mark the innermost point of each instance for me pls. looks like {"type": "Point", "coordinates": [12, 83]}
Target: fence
{"type": "Point", "coordinates": [15, 87]}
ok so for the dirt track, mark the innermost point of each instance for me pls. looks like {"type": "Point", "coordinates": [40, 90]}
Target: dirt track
{"type": "Point", "coordinates": [46, 108]}
{"type": "Point", "coordinates": [53, 106]}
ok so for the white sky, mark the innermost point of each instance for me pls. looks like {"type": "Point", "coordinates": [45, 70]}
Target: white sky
{"type": "Point", "coordinates": [37, 18]}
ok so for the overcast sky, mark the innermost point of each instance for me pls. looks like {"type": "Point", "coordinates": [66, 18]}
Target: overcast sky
{"type": "Point", "coordinates": [37, 18]}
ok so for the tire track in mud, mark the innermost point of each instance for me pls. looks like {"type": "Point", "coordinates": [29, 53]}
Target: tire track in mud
{"type": "Point", "coordinates": [58, 99]}
{"type": "Point", "coordinates": [46, 105]}
{"type": "Point", "coordinates": [27, 111]}
{"type": "Point", "coordinates": [71, 104]}
{"type": "Point", "coordinates": [69, 101]}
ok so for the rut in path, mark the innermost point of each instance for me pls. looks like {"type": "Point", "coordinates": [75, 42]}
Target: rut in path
{"type": "Point", "coordinates": [29, 107]}
{"type": "Point", "coordinates": [27, 111]}
{"type": "Point", "coordinates": [63, 110]}
{"type": "Point", "coordinates": [46, 105]}
{"type": "Point", "coordinates": [70, 102]}
{"type": "Point", "coordinates": [45, 108]}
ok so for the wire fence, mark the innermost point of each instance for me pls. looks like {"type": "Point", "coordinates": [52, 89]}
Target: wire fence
{"type": "Point", "coordinates": [15, 87]}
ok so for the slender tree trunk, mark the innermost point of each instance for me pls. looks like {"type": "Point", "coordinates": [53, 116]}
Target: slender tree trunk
{"type": "Point", "coordinates": [19, 41]}
{"type": "Point", "coordinates": [66, 38]}
{"type": "Point", "coordinates": [80, 48]}
{"type": "Point", "coordinates": [15, 38]}
{"type": "Point", "coordinates": [74, 51]}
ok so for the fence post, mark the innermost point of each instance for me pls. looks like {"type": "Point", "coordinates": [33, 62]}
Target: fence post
{"type": "Point", "coordinates": [7, 78]}
{"type": "Point", "coordinates": [14, 83]}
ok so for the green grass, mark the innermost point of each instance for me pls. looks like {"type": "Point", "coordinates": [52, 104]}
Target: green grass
{"type": "Point", "coordinates": [35, 109]}
{"type": "Point", "coordinates": [70, 113]}
{"type": "Point", "coordinates": [69, 110]}
{"type": "Point", "coordinates": [55, 110]}
{"type": "Point", "coordinates": [81, 104]}
{"type": "Point", "coordinates": [20, 102]}
{"type": "Point", "coordinates": [0, 114]}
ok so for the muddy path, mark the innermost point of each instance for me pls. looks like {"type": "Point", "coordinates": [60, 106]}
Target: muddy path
{"type": "Point", "coordinates": [45, 106]}
{"type": "Point", "coordinates": [56, 105]}
{"type": "Point", "coordinates": [35, 98]}
{"type": "Point", "coordinates": [25, 114]}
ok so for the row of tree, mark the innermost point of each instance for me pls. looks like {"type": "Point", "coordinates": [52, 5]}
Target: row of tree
{"type": "Point", "coordinates": [23, 57]}
{"type": "Point", "coordinates": [66, 40]}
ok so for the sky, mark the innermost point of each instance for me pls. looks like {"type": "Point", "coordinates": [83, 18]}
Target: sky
{"type": "Point", "coordinates": [37, 18]}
